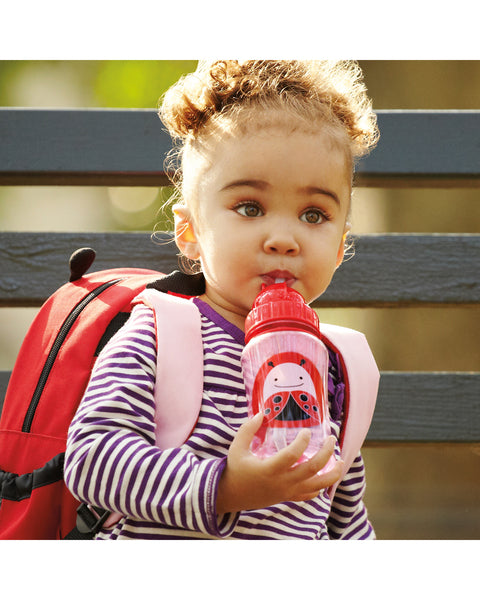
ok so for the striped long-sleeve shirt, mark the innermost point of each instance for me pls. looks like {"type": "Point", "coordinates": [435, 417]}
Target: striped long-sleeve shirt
{"type": "Point", "coordinates": [112, 461]}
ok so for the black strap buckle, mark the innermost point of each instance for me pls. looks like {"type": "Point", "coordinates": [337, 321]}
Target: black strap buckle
{"type": "Point", "coordinates": [90, 518]}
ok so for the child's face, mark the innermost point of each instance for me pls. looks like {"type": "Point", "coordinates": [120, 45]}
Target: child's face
{"type": "Point", "coordinates": [272, 205]}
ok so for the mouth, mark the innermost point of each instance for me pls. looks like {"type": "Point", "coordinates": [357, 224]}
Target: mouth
{"type": "Point", "coordinates": [278, 277]}
{"type": "Point", "coordinates": [290, 387]}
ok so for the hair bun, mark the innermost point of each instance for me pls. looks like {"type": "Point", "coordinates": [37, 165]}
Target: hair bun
{"type": "Point", "coordinates": [333, 90]}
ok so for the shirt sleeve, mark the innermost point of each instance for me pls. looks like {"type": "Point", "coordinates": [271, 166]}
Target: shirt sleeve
{"type": "Point", "coordinates": [348, 518]}
{"type": "Point", "coordinates": [111, 460]}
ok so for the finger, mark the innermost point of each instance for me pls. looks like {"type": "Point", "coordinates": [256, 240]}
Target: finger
{"type": "Point", "coordinates": [245, 433]}
{"type": "Point", "coordinates": [317, 462]}
{"type": "Point", "coordinates": [329, 477]}
{"type": "Point", "coordinates": [321, 458]}
{"type": "Point", "coordinates": [288, 456]}
{"type": "Point", "coordinates": [310, 488]}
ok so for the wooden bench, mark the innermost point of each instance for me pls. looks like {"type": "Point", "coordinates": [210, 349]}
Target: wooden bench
{"type": "Point", "coordinates": [126, 148]}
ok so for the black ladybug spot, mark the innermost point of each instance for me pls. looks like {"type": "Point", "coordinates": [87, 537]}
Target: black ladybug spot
{"type": "Point", "coordinates": [276, 408]}
{"type": "Point", "coordinates": [306, 407]}
{"type": "Point", "coordinates": [303, 397]}
{"type": "Point", "coordinates": [267, 411]}
{"type": "Point", "coordinates": [315, 408]}
{"type": "Point", "coordinates": [277, 399]}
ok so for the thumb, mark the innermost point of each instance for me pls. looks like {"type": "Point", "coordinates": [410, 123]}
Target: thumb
{"type": "Point", "coordinates": [244, 435]}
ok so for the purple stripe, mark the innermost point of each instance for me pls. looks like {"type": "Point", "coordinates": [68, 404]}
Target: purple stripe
{"type": "Point", "coordinates": [354, 533]}
{"type": "Point", "coordinates": [124, 382]}
{"type": "Point", "coordinates": [292, 524]}
{"type": "Point", "coordinates": [220, 363]}
{"type": "Point", "coordinates": [276, 532]}
{"type": "Point", "coordinates": [199, 448]}
{"type": "Point", "coordinates": [104, 460]}
{"type": "Point", "coordinates": [126, 351]}
{"type": "Point", "coordinates": [203, 504]}
{"type": "Point", "coordinates": [345, 501]}
{"type": "Point", "coordinates": [236, 333]}
{"type": "Point", "coordinates": [105, 378]}
{"type": "Point", "coordinates": [141, 492]}
{"type": "Point", "coordinates": [341, 513]}
{"type": "Point", "coordinates": [353, 480]}
{"type": "Point", "coordinates": [149, 455]}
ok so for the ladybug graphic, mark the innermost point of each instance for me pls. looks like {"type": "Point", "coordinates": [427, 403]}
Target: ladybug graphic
{"type": "Point", "coordinates": [288, 389]}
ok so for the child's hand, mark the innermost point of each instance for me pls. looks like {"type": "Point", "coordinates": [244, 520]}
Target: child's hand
{"type": "Point", "coordinates": [249, 482]}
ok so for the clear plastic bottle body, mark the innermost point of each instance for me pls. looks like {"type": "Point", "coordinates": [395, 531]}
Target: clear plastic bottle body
{"type": "Point", "coordinates": [286, 378]}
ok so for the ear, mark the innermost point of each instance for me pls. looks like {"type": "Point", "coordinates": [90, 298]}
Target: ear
{"type": "Point", "coordinates": [185, 237]}
{"type": "Point", "coordinates": [341, 248]}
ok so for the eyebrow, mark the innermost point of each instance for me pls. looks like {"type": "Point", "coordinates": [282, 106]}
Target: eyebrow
{"type": "Point", "coordinates": [311, 190]}
{"type": "Point", "coordinates": [259, 184]}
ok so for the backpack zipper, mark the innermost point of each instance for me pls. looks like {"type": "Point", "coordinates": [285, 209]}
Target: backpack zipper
{"type": "Point", "coordinates": [57, 344]}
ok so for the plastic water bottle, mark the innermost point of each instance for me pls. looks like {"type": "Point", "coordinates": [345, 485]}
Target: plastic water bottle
{"type": "Point", "coordinates": [285, 368]}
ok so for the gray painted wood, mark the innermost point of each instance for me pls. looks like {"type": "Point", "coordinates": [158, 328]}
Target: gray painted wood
{"type": "Point", "coordinates": [425, 148]}
{"type": "Point", "coordinates": [387, 270]}
{"type": "Point", "coordinates": [427, 407]}
{"type": "Point", "coordinates": [408, 270]}
{"type": "Point", "coordinates": [415, 407]}
{"type": "Point", "coordinates": [127, 147]}
{"type": "Point", "coordinates": [82, 147]}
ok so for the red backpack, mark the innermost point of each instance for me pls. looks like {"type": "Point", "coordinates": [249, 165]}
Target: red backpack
{"type": "Point", "coordinates": [49, 378]}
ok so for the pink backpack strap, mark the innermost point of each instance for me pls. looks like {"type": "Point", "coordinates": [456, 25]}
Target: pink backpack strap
{"type": "Point", "coordinates": [178, 387]}
{"type": "Point", "coordinates": [361, 386]}
{"type": "Point", "coordinates": [178, 393]}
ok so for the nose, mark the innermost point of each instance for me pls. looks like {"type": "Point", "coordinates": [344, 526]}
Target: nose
{"type": "Point", "coordinates": [281, 240]}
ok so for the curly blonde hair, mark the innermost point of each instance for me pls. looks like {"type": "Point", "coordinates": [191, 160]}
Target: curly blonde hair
{"type": "Point", "coordinates": [332, 92]}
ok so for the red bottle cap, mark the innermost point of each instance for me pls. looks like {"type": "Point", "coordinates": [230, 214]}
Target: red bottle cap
{"type": "Point", "coordinates": [279, 307]}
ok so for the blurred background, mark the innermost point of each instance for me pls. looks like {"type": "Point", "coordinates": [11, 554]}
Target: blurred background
{"type": "Point", "coordinates": [414, 492]}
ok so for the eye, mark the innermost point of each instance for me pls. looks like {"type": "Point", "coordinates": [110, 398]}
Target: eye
{"type": "Point", "coordinates": [313, 216]}
{"type": "Point", "coordinates": [249, 209]}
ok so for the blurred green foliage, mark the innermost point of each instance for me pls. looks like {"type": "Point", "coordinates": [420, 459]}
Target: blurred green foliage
{"type": "Point", "coordinates": [99, 84]}
{"type": "Point", "coordinates": [136, 84]}
{"type": "Point", "coordinates": [110, 83]}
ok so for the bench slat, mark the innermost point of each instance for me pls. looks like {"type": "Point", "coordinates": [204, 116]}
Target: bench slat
{"type": "Point", "coordinates": [427, 407]}
{"type": "Point", "coordinates": [82, 147]}
{"type": "Point", "coordinates": [415, 407]}
{"type": "Point", "coordinates": [425, 149]}
{"type": "Point", "coordinates": [126, 147]}
{"type": "Point", "coordinates": [400, 270]}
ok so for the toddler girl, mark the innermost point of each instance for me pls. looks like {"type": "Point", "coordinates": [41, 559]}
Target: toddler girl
{"type": "Point", "coordinates": [267, 152]}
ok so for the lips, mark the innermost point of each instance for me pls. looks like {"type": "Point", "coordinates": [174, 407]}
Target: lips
{"type": "Point", "coordinates": [278, 277]}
